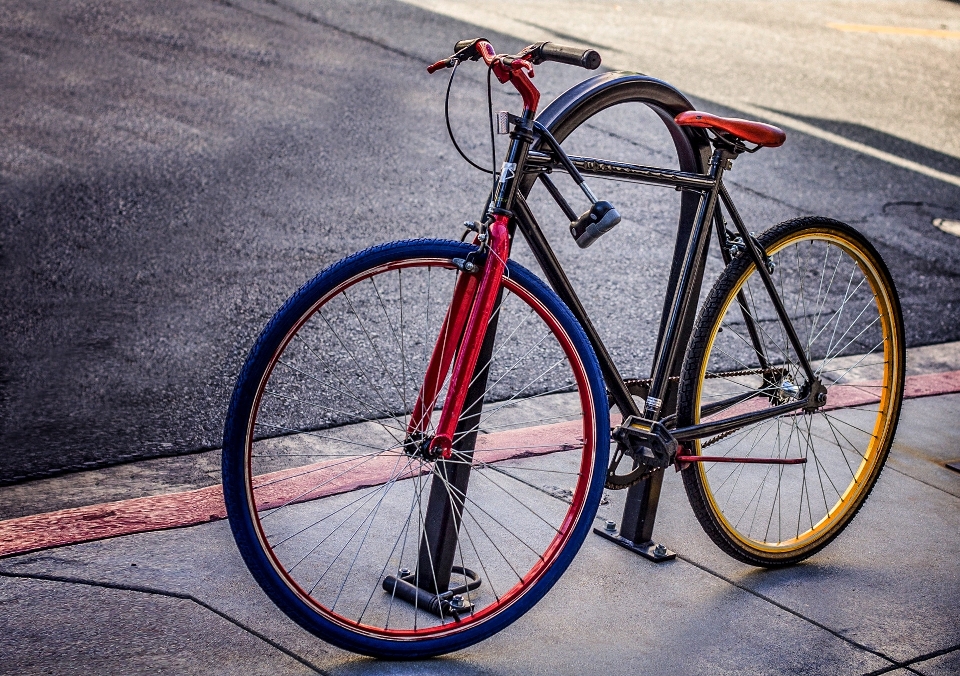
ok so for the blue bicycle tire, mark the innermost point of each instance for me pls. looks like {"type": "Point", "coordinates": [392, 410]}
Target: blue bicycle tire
{"type": "Point", "coordinates": [520, 467]}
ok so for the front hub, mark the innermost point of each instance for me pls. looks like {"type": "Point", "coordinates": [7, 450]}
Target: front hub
{"type": "Point", "coordinates": [417, 445]}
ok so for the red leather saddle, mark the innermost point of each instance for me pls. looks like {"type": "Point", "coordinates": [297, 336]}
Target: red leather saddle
{"type": "Point", "coordinates": [755, 132]}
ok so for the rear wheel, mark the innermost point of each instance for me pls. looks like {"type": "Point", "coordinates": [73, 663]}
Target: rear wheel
{"type": "Point", "coordinates": [844, 307]}
{"type": "Point", "coordinates": [329, 501]}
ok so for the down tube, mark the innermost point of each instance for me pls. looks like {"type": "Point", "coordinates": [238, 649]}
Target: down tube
{"type": "Point", "coordinates": [560, 283]}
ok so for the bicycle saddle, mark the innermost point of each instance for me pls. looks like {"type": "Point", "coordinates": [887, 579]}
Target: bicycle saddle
{"type": "Point", "coordinates": [755, 132]}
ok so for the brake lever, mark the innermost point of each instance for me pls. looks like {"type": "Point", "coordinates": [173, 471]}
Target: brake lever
{"type": "Point", "coordinates": [516, 63]}
{"type": "Point", "coordinates": [531, 53]}
{"type": "Point", "coordinates": [510, 63]}
{"type": "Point", "coordinates": [468, 53]}
{"type": "Point", "coordinates": [442, 63]}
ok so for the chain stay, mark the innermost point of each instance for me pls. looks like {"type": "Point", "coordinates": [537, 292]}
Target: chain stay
{"type": "Point", "coordinates": [616, 481]}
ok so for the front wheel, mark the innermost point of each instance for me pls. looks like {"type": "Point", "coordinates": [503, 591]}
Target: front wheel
{"type": "Point", "coordinates": [331, 502]}
{"type": "Point", "coordinates": [843, 305]}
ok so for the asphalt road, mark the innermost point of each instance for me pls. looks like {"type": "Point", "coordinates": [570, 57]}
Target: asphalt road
{"type": "Point", "coordinates": [170, 171]}
{"type": "Point", "coordinates": [892, 66]}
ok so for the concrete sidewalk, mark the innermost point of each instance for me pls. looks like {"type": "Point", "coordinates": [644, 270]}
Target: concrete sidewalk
{"type": "Point", "coordinates": [883, 598]}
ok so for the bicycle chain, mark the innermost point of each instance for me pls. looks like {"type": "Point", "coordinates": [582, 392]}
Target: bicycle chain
{"type": "Point", "coordinates": [647, 382]}
{"type": "Point", "coordinates": [619, 482]}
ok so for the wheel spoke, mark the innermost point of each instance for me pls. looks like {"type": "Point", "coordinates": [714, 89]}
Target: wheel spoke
{"type": "Point", "coordinates": [836, 293]}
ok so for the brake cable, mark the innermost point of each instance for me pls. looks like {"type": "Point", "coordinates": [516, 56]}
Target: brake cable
{"type": "Point", "coordinates": [493, 137]}
{"type": "Point", "coordinates": [446, 113]}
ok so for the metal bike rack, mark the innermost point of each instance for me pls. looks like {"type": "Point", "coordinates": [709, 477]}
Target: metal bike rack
{"type": "Point", "coordinates": [640, 510]}
{"type": "Point", "coordinates": [429, 586]}
{"type": "Point", "coordinates": [636, 527]}
{"type": "Point", "coordinates": [643, 498]}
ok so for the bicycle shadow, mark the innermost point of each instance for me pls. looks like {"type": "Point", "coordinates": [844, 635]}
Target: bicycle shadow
{"type": "Point", "coordinates": [454, 665]}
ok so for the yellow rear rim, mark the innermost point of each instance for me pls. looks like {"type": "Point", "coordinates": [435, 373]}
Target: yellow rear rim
{"type": "Point", "coordinates": [834, 515]}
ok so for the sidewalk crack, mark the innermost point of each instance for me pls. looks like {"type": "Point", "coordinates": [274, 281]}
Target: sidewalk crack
{"type": "Point", "coordinates": [894, 664]}
{"type": "Point", "coordinates": [925, 483]}
{"type": "Point", "coordinates": [169, 594]}
{"type": "Point", "coordinates": [915, 660]}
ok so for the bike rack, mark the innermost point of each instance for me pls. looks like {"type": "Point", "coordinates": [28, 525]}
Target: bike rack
{"type": "Point", "coordinates": [636, 526]}
{"type": "Point", "coordinates": [640, 510]}
{"type": "Point", "coordinates": [440, 539]}
{"type": "Point", "coordinates": [643, 498]}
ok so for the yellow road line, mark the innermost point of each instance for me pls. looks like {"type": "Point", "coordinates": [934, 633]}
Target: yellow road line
{"type": "Point", "coordinates": [947, 225]}
{"type": "Point", "coordinates": [895, 30]}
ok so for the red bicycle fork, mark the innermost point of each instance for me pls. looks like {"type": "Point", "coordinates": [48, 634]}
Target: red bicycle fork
{"type": "Point", "coordinates": [462, 335]}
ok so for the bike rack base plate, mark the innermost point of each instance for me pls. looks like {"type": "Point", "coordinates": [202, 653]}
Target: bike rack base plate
{"type": "Point", "coordinates": [654, 551]}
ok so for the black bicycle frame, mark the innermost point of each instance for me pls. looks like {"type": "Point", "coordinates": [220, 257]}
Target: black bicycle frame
{"type": "Point", "coordinates": [681, 297]}
{"type": "Point", "coordinates": [523, 163]}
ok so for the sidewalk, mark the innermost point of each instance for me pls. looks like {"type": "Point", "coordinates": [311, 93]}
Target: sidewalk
{"type": "Point", "coordinates": [882, 598]}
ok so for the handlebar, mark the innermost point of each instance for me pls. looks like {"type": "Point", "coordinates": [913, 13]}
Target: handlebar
{"type": "Point", "coordinates": [518, 68]}
{"type": "Point", "coordinates": [535, 54]}
{"type": "Point", "coordinates": [574, 56]}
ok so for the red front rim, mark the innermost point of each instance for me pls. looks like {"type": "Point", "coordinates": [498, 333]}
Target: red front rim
{"type": "Point", "coordinates": [565, 529]}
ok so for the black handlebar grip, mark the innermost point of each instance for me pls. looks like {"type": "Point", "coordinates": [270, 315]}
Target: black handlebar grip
{"type": "Point", "coordinates": [463, 44]}
{"type": "Point", "coordinates": [574, 56]}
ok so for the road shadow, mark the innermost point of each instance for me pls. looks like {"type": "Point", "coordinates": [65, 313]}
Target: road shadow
{"type": "Point", "coordinates": [883, 141]}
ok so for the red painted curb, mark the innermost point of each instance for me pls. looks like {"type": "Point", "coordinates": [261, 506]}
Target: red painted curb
{"type": "Point", "coordinates": [177, 510]}
{"type": "Point", "coordinates": [110, 519]}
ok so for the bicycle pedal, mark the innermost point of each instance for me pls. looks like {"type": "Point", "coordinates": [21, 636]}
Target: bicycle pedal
{"type": "Point", "coordinates": [647, 441]}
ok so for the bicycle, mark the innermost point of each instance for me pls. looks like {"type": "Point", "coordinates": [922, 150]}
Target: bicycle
{"type": "Point", "coordinates": [418, 442]}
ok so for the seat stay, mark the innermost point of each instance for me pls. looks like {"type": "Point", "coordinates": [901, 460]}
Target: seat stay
{"type": "Point", "coordinates": [753, 251]}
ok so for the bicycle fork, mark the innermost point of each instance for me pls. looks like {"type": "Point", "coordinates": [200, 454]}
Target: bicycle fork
{"type": "Point", "coordinates": [470, 312]}
{"type": "Point", "coordinates": [465, 341]}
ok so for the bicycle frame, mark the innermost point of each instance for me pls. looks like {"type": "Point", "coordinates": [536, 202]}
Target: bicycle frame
{"type": "Point", "coordinates": [680, 297]}
{"type": "Point", "coordinates": [326, 463]}
{"type": "Point", "coordinates": [470, 325]}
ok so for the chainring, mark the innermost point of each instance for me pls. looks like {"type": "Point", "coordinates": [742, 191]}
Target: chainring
{"type": "Point", "coordinates": [640, 387]}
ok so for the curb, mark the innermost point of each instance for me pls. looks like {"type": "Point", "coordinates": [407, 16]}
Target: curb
{"type": "Point", "coordinates": [191, 508]}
